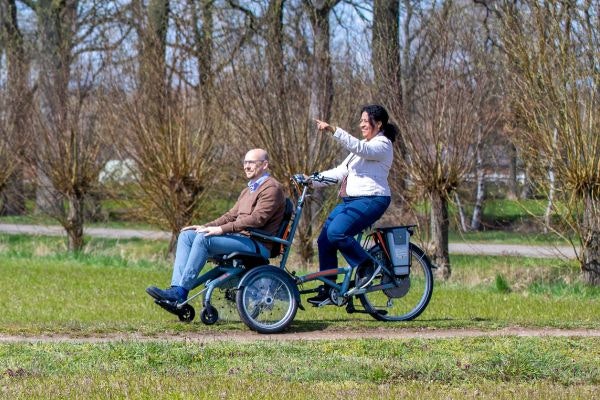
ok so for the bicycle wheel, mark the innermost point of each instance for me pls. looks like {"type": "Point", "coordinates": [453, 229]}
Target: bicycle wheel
{"type": "Point", "coordinates": [407, 300]}
{"type": "Point", "coordinates": [267, 300]}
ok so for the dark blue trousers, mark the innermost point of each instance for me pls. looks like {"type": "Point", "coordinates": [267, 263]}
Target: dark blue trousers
{"type": "Point", "coordinates": [347, 220]}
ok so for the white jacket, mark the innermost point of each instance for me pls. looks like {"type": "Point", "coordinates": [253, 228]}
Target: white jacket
{"type": "Point", "coordinates": [367, 166]}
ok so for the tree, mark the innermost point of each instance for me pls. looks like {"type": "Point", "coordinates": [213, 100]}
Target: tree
{"type": "Point", "coordinates": [67, 147]}
{"type": "Point", "coordinates": [441, 135]}
{"type": "Point", "coordinates": [167, 127]}
{"type": "Point", "coordinates": [552, 55]}
{"type": "Point", "coordinates": [401, 55]}
{"type": "Point", "coordinates": [274, 105]}
{"type": "Point", "coordinates": [16, 110]}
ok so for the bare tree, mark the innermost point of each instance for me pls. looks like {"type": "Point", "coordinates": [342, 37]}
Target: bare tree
{"type": "Point", "coordinates": [552, 55]}
{"type": "Point", "coordinates": [168, 127]}
{"type": "Point", "coordinates": [281, 83]}
{"type": "Point", "coordinates": [66, 152]}
{"type": "Point", "coordinates": [442, 134]}
{"type": "Point", "coordinates": [401, 53]}
{"type": "Point", "coordinates": [16, 108]}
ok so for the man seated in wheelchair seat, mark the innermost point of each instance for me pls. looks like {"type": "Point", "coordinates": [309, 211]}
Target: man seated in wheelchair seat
{"type": "Point", "coordinates": [260, 205]}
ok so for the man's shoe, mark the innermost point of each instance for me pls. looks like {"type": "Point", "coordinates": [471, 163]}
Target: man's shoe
{"type": "Point", "coordinates": [322, 296]}
{"type": "Point", "coordinates": [365, 273]}
{"type": "Point", "coordinates": [173, 293]}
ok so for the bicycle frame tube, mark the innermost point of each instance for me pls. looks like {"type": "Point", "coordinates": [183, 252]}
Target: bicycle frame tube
{"type": "Point", "coordinates": [292, 233]}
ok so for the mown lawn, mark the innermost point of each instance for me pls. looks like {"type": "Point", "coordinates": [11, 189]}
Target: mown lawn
{"type": "Point", "coordinates": [45, 292]}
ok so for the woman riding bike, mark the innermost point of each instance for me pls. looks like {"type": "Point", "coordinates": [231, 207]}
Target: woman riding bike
{"type": "Point", "coordinates": [364, 191]}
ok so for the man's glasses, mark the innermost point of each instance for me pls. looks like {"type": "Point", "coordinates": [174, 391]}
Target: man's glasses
{"type": "Point", "coordinates": [252, 162]}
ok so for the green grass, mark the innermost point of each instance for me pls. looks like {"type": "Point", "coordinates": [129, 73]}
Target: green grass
{"type": "Point", "coordinates": [44, 290]}
{"type": "Point", "coordinates": [449, 368]}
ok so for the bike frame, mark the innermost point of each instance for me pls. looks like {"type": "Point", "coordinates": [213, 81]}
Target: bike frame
{"type": "Point", "coordinates": [343, 288]}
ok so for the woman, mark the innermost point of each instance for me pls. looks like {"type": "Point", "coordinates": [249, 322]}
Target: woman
{"type": "Point", "coordinates": [364, 191]}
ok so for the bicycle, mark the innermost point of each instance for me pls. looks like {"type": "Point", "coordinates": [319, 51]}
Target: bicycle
{"type": "Point", "coordinates": [268, 296]}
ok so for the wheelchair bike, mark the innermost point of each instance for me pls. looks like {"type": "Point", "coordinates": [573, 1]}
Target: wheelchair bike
{"type": "Point", "coordinates": [268, 296]}
{"type": "Point", "coordinates": [223, 279]}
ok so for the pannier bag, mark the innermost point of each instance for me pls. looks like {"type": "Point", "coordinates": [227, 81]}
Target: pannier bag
{"type": "Point", "coordinates": [397, 241]}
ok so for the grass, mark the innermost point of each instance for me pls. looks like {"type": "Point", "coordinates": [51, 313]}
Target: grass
{"type": "Point", "coordinates": [273, 370]}
{"type": "Point", "coordinates": [43, 291]}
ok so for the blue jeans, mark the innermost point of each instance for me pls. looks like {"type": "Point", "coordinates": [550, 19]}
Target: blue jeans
{"type": "Point", "coordinates": [193, 249]}
{"type": "Point", "coordinates": [347, 220]}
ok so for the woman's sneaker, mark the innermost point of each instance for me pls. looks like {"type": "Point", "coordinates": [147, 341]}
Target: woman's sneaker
{"type": "Point", "coordinates": [322, 297]}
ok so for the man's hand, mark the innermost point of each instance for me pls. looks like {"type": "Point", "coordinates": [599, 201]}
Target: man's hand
{"type": "Point", "coordinates": [210, 230]}
{"type": "Point", "coordinates": [194, 227]}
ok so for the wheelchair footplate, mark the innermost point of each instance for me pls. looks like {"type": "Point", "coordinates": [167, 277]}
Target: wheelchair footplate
{"type": "Point", "coordinates": [185, 313]}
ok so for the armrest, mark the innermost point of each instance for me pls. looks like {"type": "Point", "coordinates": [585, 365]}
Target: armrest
{"type": "Point", "coordinates": [266, 236]}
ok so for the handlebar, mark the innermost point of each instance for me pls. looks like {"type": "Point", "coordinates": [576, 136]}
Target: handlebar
{"type": "Point", "coordinates": [300, 179]}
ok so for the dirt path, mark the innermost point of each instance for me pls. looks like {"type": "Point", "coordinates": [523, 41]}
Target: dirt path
{"type": "Point", "coordinates": [248, 336]}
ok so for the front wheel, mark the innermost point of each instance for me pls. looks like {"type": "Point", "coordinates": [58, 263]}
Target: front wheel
{"type": "Point", "coordinates": [267, 300]}
{"type": "Point", "coordinates": [411, 294]}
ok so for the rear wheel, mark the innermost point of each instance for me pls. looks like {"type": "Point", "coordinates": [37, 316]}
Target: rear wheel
{"type": "Point", "coordinates": [411, 294]}
{"type": "Point", "coordinates": [267, 300]}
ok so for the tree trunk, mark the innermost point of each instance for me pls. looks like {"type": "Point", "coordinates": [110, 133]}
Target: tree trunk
{"type": "Point", "coordinates": [74, 222]}
{"type": "Point", "coordinates": [550, 202]}
{"type": "Point", "coordinates": [321, 101]}
{"type": "Point", "coordinates": [551, 185]}
{"type": "Point", "coordinates": [511, 190]}
{"type": "Point", "coordinates": [439, 234]}
{"type": "Point", "coordinates": [591, 240]}
{"type": "Point", "coordinates": [385, 55]}
{"type": "Point", "coordinates": [152, 71]}
{"type": "Point", "coordinates": [13, 196]}
{"type": "Point", "coordinates": [13, 200]}
{"type": "Point", "coordinates": [461, 213]}
{"type": "Point", "coordinates": [479, 194]}
{"type": "Point", "coordinates": [204, 43]}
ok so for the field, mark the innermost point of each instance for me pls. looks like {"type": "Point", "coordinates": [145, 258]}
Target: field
{"type": "Point", "coordinates": [45, 293]}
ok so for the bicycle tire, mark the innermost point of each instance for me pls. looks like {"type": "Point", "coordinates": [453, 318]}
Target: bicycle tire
{"type": "Point", "coordinates": [410, 298]}
{"type": "Point", "coordinates": [267, 300]}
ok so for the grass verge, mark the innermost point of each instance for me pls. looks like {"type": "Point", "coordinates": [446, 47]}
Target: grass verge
{"type": "Point", "coordinates": [501, 367]}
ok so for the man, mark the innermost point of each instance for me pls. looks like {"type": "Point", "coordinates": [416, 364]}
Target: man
{"type": "Point", "coordinates": [260, 205]}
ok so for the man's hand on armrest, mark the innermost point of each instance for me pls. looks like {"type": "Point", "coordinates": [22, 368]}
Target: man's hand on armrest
{"type": "Point", "coordinates": [194, 227]}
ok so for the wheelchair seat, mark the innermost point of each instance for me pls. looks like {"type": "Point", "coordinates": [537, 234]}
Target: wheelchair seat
{"type": "Point", "coordinates": [253, 259]}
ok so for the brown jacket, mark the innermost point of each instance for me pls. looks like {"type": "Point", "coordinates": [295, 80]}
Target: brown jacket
{"type": "Point", "coordinates": [262, 209]}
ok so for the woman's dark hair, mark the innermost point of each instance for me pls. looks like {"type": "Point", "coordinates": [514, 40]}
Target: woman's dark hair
{"type": "Point", "coordinates": [377, 113]}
